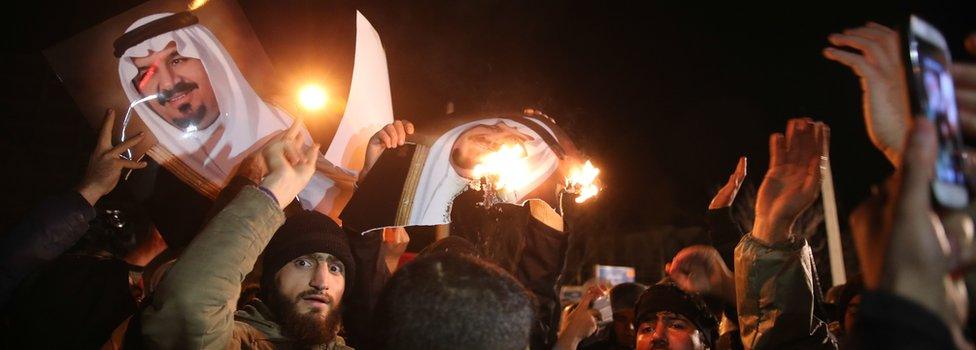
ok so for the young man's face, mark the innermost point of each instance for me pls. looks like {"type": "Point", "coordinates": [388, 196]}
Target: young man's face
{"type": "Point", "coordinates": [313, 282]}
{"type": "Point", "coordinates": [669, 331]}
{"type": "Point", "coordinates": [306, 298]}
{"type": "Point", "coordinates": [192, 103]}
{"type": "Point", "coordinates": [480, 140]}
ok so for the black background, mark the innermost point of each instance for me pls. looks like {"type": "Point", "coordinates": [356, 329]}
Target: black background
{"type": "Point", "coordinates": [662, 98]}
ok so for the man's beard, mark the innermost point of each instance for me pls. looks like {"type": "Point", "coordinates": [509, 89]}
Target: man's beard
{"type": "Point", "coordinates": [190, 116]}
{"type": "Point", "coordinates": [306, 329]}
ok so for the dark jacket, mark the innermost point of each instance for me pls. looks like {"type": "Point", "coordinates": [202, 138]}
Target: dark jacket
{"type": "Point", "coordinates": [47, 232]}
{"type": "Point", "coordinates": [73, 303]}
{"type": "Point", "coordinates": [887, 321]}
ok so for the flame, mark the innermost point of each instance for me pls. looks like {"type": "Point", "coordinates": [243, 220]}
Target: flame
{"type": "Point", "coordinates": [507, 168]}
{"type": "Point", "coordinates": [312, 97]}
{"type": "Point", "coordinates": [195, 4]}
{"type": "Point", "coordinates": [581, 181]}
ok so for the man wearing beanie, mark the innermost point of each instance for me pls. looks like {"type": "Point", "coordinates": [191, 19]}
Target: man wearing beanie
{"type": "Point", "coordinates": [668, 318]}
{"type": "Point", "coordinates": [303, 279]}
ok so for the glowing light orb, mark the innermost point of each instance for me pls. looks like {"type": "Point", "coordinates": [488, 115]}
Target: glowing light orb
{"type": "Point", "coordinates": [312, 97]}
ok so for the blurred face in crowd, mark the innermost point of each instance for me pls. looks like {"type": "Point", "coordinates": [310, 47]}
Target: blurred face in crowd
{"type": "Point", "coordinates": [669, 331]}
{"type": "Point", "coordinates": [480, 140]}
{"type": "Point", "coordinates": [623, 326]}
{"type": "Point", "coordinates": [307, 297]}
{"type": "Point", "coordinates": [192, 101]}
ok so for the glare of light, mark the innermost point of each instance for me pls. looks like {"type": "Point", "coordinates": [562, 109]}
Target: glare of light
{"type": "Point", "coordinates": [195, 4]}
{"type": "Point", "coordinates": [189, 131]}
{"type": "Point", "coordinates": [506, 169]}
{"type": "Point", "coordinates": [312, 97]}
{"type": "Point", "coordinates": [582, 181]}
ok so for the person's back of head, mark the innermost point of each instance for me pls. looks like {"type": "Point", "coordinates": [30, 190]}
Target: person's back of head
{"type": "Point", "coordinates": [451, 301]}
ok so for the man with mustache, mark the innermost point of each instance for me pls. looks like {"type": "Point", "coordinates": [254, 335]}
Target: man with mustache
{"type": "Point", "coordinates": [304, 269]}
{"type": "Point", "coordinates": [207, 117]}
{"type": "Point", "coordinates": [190, 100]}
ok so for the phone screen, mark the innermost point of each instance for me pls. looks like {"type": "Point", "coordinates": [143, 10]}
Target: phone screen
{"type": "Point", "coordinates": [934, 97]}
{"type": "Point", "coordinates": [940, 107]}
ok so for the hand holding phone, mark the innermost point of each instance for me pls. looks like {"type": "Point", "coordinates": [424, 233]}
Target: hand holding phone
{"type": "Point", "coordinates": [933, 97]}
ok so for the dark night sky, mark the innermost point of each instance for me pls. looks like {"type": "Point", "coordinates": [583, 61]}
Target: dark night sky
{"type": "Point", "coordinates": [663, 98]}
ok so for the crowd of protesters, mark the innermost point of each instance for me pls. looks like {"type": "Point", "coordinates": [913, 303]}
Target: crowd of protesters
{"type": "Point", "coordinates": [262, 273]}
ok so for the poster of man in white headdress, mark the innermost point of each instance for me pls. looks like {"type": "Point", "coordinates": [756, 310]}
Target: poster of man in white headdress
{"type": "Point", "coordinates": [198, 82]}
{"type": "Point", "coordinates": [521, 156]}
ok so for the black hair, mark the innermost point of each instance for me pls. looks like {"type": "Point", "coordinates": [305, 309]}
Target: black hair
{"type": "Point", "coordinates": [453, 301]}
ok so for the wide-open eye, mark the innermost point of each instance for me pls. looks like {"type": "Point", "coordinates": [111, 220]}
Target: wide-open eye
{"type": "Point", "coordinates": [304, 263]}
{"type": "Point", "coordinates": [336, 268]}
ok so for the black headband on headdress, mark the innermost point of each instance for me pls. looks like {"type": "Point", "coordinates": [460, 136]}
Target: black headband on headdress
{"type": "Point", "coordinates": [149, 30]}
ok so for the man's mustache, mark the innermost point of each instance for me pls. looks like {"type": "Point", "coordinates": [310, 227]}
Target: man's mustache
{"type": "Point", "coordinates": [179, 88]}
{"type": "Point", "coordinates": [328, 298]}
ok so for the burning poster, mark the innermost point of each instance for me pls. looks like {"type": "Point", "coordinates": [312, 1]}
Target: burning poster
{"type": "Point", "coordinates": [510, 157]}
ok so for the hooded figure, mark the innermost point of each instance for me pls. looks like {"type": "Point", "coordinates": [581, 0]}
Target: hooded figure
{"type": "Point", "coordinates": [207, 140]}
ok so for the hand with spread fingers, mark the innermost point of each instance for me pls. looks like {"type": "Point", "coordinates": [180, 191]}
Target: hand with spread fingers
{"type": "Point", "coordinates": [879, 65]}
{"type": "Point", "coordinates": [290, 164]}
{"type": "Point", "coordinates": [793, 180]}
{"type": "Point", "coordinates": [699, 269]}
{"type": "Point", "coordinates": [106, 163]}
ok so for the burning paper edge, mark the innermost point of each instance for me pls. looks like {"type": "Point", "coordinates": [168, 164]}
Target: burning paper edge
{"type": "Point", "coordinates": [582, 180]}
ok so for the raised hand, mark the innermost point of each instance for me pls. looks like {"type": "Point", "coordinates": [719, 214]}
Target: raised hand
{"type": "Point", "coordinates": [700, 269]}
{"type": "Point", "coordinates": [726, 195]}
{"type": "Point", "coordinates": [887, 113]}
{"type": "Point", "coordinates": [105, 164]}
{"type": "Point", "coordinates": [392, 135]}
{"type": "Point", "coordinates": [290, 165]}
{"type": "Point", "coordinates": [580, 323]}
{"type": "Point", "coordinates": [793, 180]}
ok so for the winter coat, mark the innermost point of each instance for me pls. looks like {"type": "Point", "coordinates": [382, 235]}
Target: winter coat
{"type": "Point", "coordinates": [194, 305]}
{"type": "Point", "coordinates": [775, 296]}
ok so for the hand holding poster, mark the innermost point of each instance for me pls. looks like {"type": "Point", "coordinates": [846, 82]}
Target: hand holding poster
{"type": "Point", "coordinates": [203, 80]}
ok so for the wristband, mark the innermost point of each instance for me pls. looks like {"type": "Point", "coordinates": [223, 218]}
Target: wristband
{"type": "Point", "coordinates": [270, 194]}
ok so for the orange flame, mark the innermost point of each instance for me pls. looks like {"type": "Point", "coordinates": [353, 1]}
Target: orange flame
{"type": "Point", "coordinates": [507, 168]}
{"type": "Point", "coordinates": [195, 4]}
{"type": "Point", "coordinates": [582, 181]}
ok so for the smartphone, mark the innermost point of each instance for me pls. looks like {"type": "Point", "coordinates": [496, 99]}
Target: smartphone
{"type": "Point", "coordinates": [614, 274]}
{"type": "Point", "coordinates": [933, 96]}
